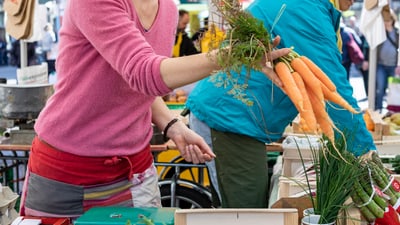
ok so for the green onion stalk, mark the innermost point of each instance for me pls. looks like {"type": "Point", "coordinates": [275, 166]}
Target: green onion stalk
{"type": "Point", "coordinates": [337, 171]}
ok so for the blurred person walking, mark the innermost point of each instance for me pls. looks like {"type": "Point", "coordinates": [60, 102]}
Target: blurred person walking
{"type": "Point", "coordinates": [387, 59]}
{"type": "Point", "coordinates": [47, 42]}
{"type": "Point", "coordinates": [351, 52]}
{"type": "Point", "coordinates": [364, 46]}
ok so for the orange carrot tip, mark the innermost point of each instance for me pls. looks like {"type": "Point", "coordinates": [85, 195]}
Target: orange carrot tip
{"type": "Point", "coordinates": [289, 85]}
{"type": "Point", "coordinates": [335, 97]}
{"type": "Point", "coordinates": [319, 73]}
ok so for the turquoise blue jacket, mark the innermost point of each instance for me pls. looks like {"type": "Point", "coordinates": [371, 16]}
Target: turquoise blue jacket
{"type": "Point", "coordinates": [310, 27]}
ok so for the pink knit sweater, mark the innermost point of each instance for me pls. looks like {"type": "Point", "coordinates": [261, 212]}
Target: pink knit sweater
{"type": "Point", "coordinates": [108, 74]}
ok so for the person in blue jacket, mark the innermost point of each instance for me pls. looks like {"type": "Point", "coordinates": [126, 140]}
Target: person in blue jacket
{"type": "Point", "coordinates": [238, 132]}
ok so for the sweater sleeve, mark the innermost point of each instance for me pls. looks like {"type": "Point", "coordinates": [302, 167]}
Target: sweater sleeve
{"type": "Point", "coordinates": [112, 28]}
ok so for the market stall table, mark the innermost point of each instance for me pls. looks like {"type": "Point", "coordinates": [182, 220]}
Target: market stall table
{"type": "Point", "coordinates": [15, 157]}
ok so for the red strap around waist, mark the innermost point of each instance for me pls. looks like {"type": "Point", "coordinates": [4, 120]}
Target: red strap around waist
{"type": "Point", "coordinates": [54, 164]}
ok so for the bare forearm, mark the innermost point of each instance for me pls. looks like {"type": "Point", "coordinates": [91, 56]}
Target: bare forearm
{"type": "Point", "coordinates": [181, 71]}
{"type": "Point", "coordinates": [161, 113]}
{"type": "Point", "coordinates": [192, 146]}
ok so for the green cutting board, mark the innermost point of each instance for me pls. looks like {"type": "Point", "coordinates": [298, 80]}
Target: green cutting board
{"type": "Point", "coordinates": [124, 215]}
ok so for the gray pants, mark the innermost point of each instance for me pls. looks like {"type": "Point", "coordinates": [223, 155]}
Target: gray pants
{"type": "Point", "coordinates": [203, 130]}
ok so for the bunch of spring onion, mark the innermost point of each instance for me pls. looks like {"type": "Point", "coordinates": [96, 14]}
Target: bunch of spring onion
{"type": "Point", "coordinates": [334, 179]}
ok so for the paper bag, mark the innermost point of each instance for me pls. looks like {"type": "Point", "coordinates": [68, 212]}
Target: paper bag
{"type": "Point", "coordinates": [37, 74]}
{"type": "Point", "coordinates": [20, 26]}
{"type": "Point", "coordinates": [15, 7]}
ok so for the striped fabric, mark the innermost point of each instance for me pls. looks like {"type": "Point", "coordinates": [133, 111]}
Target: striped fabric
{"type": "Point", "coordinates": [59, 184]}
{"type": "Point", "coordinates": [49, 198]}
{"type": "Point", "coordinates": [112, 194]}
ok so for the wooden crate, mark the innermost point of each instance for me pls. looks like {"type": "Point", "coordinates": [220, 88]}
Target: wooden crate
{"type": "Point", "coordinates": [381, 128]}
{"type": "Point", "coordinates": [293, 180]}
{"type": "Point", "coordinates": [300, 204]}
{"type": "Point", "coordinates": [389, 145]}
{"type": "Point", "coordinates": [380, 134]}
{"type": "Point", "coordinates": [352, 216]}
{"type": "Point", "coordinates": [292, 162]}
{"type": "Point", "coordinates": [236, 216]}
{"type": "Point", "coordinates": [292, 187]}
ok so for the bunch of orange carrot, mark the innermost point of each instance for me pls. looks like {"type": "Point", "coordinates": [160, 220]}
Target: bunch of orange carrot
{"type": "Point", "coordinates": [309, 88]}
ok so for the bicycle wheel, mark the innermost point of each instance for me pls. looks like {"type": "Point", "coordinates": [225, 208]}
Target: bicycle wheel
{"type": "Point", "coordinates": [187, 173]}
{"type": "Point", "coordinates": [186, 198]}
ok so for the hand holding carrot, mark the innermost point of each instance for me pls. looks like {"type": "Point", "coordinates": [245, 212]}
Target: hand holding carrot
{"type": "Point", "coordinates": [267, 68]}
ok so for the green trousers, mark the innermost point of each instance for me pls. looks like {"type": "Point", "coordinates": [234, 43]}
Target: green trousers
{"type": "Point", "coordinates": [242, 170]}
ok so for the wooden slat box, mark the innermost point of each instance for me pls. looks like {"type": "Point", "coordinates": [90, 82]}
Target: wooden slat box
{"type": "Point", "coordinates": [291, 187]}
{"type": "Point", "coordinates": [236, 216]}
{"type": "Point", "coordinates": [292, 161]}
{"type": "Point", "coordinates": [380, 133]}
{"type": "Point", "coordinates": [381, 128]}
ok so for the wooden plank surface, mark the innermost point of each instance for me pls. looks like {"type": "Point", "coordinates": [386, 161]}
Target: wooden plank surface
{"type": "Point", "coordinates": [15, 147]}
{"type": "Point", "coordinates": [274, 147]}
{"type": "Point", "coordinates": [236, 216]}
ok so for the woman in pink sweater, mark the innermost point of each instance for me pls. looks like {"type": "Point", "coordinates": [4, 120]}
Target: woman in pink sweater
{"type": "Point", "coordinates": [92, 145]}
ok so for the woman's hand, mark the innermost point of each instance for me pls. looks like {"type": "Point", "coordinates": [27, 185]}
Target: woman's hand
{"type": "Point", "coordinates": [192, 146]}
{"type": "Point", "coordinates": [268, 69]}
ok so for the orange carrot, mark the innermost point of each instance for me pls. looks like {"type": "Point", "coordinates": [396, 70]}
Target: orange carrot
{"type": "Point", "coordinates": [304, 127]}
{"type": "Point", "coordinates": [289, 85]}
{"type": "Point", "coordinates": [335, 97]}
{"type": "Point", "coordinates": [309, 78]}
{"type": "Point", "coordinates": [319, 73]}
{"type": "Point", "coordinates": [324, 121]}
{"type": "Point", "coordinates": [307, 114]}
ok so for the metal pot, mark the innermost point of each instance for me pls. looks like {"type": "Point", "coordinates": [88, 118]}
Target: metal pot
{"type": "Point", "coordinates": [23, 101]}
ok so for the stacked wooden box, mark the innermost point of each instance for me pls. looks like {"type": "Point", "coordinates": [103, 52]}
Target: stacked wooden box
{"type": "Point", "coordinates": [380, 127]}
{"type": "Point", "coordinates": [236, 216]}
{"type": "Point", "coordinates": [296, 157]}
